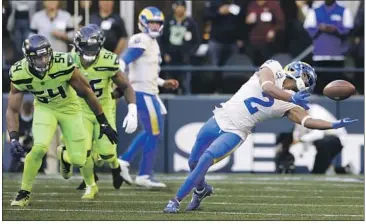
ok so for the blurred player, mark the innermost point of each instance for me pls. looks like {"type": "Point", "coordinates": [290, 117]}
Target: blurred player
{"type": "Point", "coordinates": [267, 94]}
{"type": "Point", "coordinates": [55, 82]}
{"type": "Point", "coordinates": [143, 55]}
{"type": "Point", "coordinates": [101, 68]}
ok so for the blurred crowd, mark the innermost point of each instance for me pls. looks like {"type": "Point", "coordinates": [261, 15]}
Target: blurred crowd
{"type": "Point", "coordinates": [225, 32]}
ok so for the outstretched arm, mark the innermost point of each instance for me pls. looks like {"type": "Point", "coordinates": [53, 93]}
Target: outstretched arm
{"type": "Point", "coordinates": [300, 116]}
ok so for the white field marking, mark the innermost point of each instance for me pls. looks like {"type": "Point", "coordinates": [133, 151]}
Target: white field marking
{"type": "Point", "coordinates": [218, 177]}
{"type": "Point", "coordinates": [153, 194]}
{"type": "Point", "coordinates": [314, 184]}
{"type": "Point", "coordinates": [206, 203]}
{"type": "Point", "coordinates": [197, 212]}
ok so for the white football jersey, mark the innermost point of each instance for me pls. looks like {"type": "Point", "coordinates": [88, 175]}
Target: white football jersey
{"type": "Point", "coordinates": [144, 72]}
{"type": "Point", "coordinates": [251, 105]}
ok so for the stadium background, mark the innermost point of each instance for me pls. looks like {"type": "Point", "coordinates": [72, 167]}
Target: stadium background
{"type": "Point", "coordinates": [188, 109]}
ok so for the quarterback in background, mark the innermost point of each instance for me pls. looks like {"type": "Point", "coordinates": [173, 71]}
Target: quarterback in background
{"type": "Point", "coordinates": [101, 68]}
{"type": "Point", "coordinates": [271, 92]}
{"type": "Point", "coordinates": [56, 82]}
{"type": "Point", "coordinates": [143, 58]}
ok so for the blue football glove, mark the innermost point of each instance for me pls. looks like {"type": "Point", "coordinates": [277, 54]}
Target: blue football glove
{"type": "Point", "coordinates": [300, 98]}
{"type": "Point", "coordinates": [342, 123]}
{"type": "Point", "coordinates": [16, 149]}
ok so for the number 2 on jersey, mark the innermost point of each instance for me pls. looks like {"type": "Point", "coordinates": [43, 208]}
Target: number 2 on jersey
{"type": "Point", "coordinates": [253, 100]}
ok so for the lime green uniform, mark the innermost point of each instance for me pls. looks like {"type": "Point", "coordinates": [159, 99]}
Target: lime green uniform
{"type": "Point", "coordinates": [99, 75]}
{"type": "Point", "coordinates": [56, 103]}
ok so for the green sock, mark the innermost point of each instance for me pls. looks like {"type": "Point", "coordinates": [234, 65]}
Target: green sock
{"type": "Point", "coordinates": [87, 171]}
{"type": "Point", "coordinates": [32, 163]}
{"type": "Point", "coordinates": [113, 162]}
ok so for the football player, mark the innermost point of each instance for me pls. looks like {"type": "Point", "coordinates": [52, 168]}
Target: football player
{"type": "Point", "coordinates": [143, 57]}
{"type": "Point", "coordinates": [101, 68]}
{"type": "Point", "coordinates": [271, 92]}
{"type": "Point", "coordinates": [56, 82]}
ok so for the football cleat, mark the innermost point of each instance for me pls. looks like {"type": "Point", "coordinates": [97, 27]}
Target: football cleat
{"type": "Point", "coordinates": [197, 197]}
{"type": "Point", "coordinates": [148, 182]}
{"type": "Point", "coordinates": [65, 168]}
{"type": "Point", "coordinates": [90, 192]}
{"type": "Point", "coordinates": [172, 206]}
{"type": "Point", "coordinates": [125, 171]}
{"type": "Point", "coordinates": [82, 185]}
{"type": "Point", "coordinates": [117, 178]}
{"type": "Point", "coordinates": [22, 199]}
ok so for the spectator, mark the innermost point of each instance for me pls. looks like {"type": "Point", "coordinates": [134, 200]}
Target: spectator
{"type": "Point", "coordinates": [226, 33]}
{"type": "Point", "coordinates": [113, 26]}
{"type": "Point", "coordinates": [55, 24]}
{"type": "Point", "coordinates": [18, 23]}
{"type": "Point", "coordinates": [329, 26]}
{"type": "Point", "coordinates": [82, 9]}
{"type": "Point", "coordinates": [359, 48]}
{"type": "Point", "coordinates": [266, 24]}
{"type": "Point", "coordinates": [180, 39]}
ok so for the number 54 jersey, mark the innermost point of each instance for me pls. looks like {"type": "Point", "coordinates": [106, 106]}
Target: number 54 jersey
{"type": "Point", "coordinates": [51, 90]}
{"type": "Point", "coordinates": [251, 105]}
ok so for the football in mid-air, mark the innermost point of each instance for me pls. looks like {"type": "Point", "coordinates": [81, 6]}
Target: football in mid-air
{"type": "Point", "coordinates": [339, 90]}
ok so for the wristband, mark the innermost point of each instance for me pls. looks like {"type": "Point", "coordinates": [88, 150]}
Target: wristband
{"type": "Point", "coordinates": [14, 135]}
{"type": "Point", "coordinates": [102, 119]}
{"type": "Point", "coordinates": [303, 120]}
{"type": "Point", "coordinates": [160, 82]}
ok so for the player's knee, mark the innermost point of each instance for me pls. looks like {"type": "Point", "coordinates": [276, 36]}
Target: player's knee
{"type": "Point", "coordinates": [39, 150]}
{"type": "Point", "coordinates": [107, 158]}
{"type": "Point", "coordinates": [208, 156]}
{"type": "Point", "coordinates": [78, 161]}
{"type": "Point", "coordinates": [192, 163]}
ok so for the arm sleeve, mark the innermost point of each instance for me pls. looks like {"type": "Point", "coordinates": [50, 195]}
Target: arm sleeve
{"type": "Point", "coordinates": [347, 24]}
{"type": "Point", "coordinates": [310, 24]}
{"type": "Point", "coordinates": [273, 65]}
{"type": "Point", "coordinates": [132, 54]}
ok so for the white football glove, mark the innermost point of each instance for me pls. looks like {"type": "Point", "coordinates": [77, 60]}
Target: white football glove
{"type": "Point", "coordinates": [130, 122]}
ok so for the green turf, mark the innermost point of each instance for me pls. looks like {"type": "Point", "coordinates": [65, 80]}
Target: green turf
{"type": "Point", "coordinates": [236, 197]}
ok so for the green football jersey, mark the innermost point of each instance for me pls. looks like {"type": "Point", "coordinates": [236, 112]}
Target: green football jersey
{"type": "Point", "coordinates": [99, 76]}
{"type": "Point", "coordinates": [53, 89]}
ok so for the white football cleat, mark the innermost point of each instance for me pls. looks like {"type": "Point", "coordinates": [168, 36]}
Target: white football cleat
{"type": "Point", "coordinates": [125, 171]}
{"type": "Point", "coordinates": [148, 182]}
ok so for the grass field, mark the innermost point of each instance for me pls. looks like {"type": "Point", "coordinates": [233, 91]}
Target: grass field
{"type": "Point", "coordinates": [236, 197]}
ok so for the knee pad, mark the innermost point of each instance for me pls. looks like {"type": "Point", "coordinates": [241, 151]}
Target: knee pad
{"type": "Point", "coordinates": [107, 158]}
{"type": "Point", "coordinates": [39, 151]}
{"type": "Point", "coordinates": [208, 156]}
{"type": "Point", "coordinates": [77, 161]}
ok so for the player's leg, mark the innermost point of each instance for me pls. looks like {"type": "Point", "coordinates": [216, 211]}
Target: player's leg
{"type": "Point", "coordinates": [207, 134]}
{"type": "Point", "coordinates": [44, 128]}
{"type": "Point", "coordinates": [223, 146]}
{"type": "Point", "coordinates": [74, 134]}
{"type": "Point", "coordinates": [108, 151]}
{"type": "Point", "coordinates": [152, 119]}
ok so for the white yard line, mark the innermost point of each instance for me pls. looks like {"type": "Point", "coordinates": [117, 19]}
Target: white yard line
{"type": "Point", "coordinates": [208, 203]}
{"type": "Point", "coordinates": [198, 212]}
{"type": "Point", "coordinates": [167, 194]}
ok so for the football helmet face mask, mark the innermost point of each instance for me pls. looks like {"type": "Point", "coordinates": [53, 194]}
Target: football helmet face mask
{"type": "Point", "coordinates": [88, 43]}
{"type": "Point", "coordinates": [38, 52]}
{"type": "Point", "coordinates": [151, 21]}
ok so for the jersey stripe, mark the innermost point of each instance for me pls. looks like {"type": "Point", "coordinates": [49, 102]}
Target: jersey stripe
{"type": "Point", "coordinates": [61, 73]}
{"type": "Point", "coordinates": [22, 81]}
{"type": "Point", "coordinates": [106, 69]}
